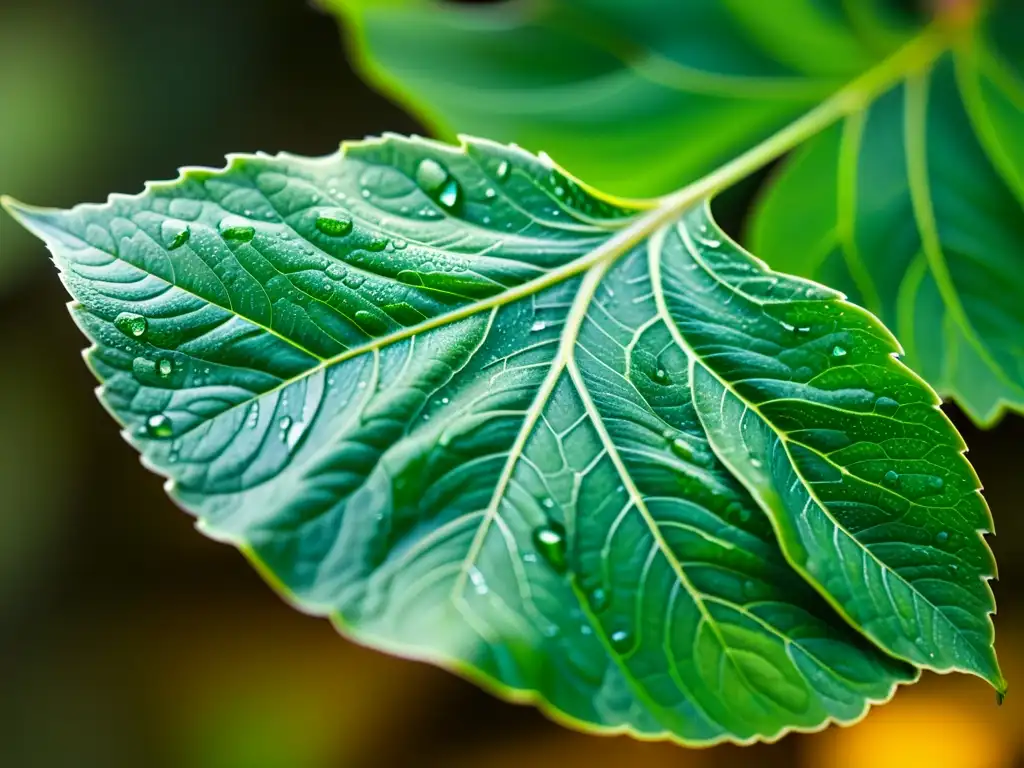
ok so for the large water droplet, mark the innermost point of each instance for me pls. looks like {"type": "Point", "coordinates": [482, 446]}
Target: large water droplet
{"type": "Point", "coordinates": [165, 367]}
{"type": "Point", "coordinates": [370, 322]}
{"type": "Point", "coordinates": [550, 543]}
{"type": "Point", "coordinates": [159, 426]}
{"type": "Point", "coordinates": [503, 170]}
{"type": "Point", "coordinates": [886, 406]}
{"type": "Point", "coordinates": [838, 351]}
{"type": "Point", "coordinates": [334, 227]}
{"type": "Point", "coordinates": [236, 232]}
{"type": "Point", "coordinates": [179, 239]}
{"type": "Point", "coordinates": [540, 325]}
{"type": "Point", "coordinates": [131, 324]}
{"type": "Point", "coordinates": [682, 449]}
{"type": "Point", "coordinates": [431, 175]}
{"type": "Point", "coordinates": [621, 640]}
{"type": "Point", "coordinates": [942, 537]}
{"type": "Point", "coordinates": [450, 194]}
{"type": "Point", "coordinates": [890, 477]}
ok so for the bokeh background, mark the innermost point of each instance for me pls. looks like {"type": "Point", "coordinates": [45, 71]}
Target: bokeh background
{"type": "Point", "coordinates": [126, 638]}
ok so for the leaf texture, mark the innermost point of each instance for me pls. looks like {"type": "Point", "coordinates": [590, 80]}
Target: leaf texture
{"type": "Point", "coordinates": [592, 457]}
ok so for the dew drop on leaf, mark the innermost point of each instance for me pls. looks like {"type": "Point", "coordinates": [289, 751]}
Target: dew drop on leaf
{"type": "Point", "coordinates": [598, 599]}
{"type": "Point", "coordinates": [886, 406]}
{"type": "Point", "coordinates": [158, 426]}
{"type": "Point", "coordinates": [236, 233]}
{"type": "Point", "coordinates": [942, 537]}
{"type": "Point", "coordinates": [431, 175]}
{"type": "Point", "coordinates": [682, 449]}
{"type": "Point", "coordinates": [838, 351]}
{"type": "Point", "coordinates": [550, 543]}
{"type": "Point", "coordinates": [165, 367]}
{"type": "Point", "coordinates": [131, 324]}
{"type": "Point", "coordinates": [540, 325]}
{"type": "Point", "coordinates": [370, 322]}
{"type": "Point", "coordinates": [890, 477]}
{"type": "Point", "coordinates": [503, 170]}
{"type": "Point", "coordinates": [178, 238]}
{"type": "Point", "coordinates": [334, 227]}
{"type": "Point", "coordinates": [621, 640]}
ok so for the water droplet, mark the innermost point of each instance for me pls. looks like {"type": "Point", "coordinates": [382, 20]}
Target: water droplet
{"type": "Point", "coordinates": [598, 599]}
{"type": "Point", "coordinates": [378, 243]}
{"type": "Point", "coordinates": [548, 503]}
{"type": "Point", "coordinates": [942, 537]}
{"type": "Point", "coordinates": [333, 227]}
{"type": "Point", "coordinates": [890, 477]}
{"type": "Point", "coordinates": [165, 367]}
{"type": "Point", "coordinates": [399, 244]}
{"type": "Point", "coordinates": [285, 422]}
{"type": "Point", "coordinates": [682, 449]}
{"type": "Point", "coordinates": [755, 462]}
{"type": "Point", "coordinates": [503, 170]}
{"type": "Point", "coordinates": [479, 583]}
{"type": "Point", "coordinates": [236, 233]}
{"type": "Point", "coordinates": [838, 351]}
{"type": "Point", "coordinates": [431, 175]}
{"type": "Point", "coordinates": [621, 641]}
{"type": "Point", "coordinates": [802, 329]}
{"type": "Point", "coordinates": [179, 239]}
{"type": "Point", "coordinates": [159, 426]}
{"type": "Point", "coordinates": [335, 271]}
{"type": "Point", "coordinates": [370, 322]}
{"type": "Point", "coordinates": [886, 406]}
{"type": "Point", "coordinates": [489, 193]}
{"type": "Point", "coordinates": [131, 324]}
{"type": "Point", "coordinates": [550, 543]}
{"type": "Point", "coordinates": [540, 325]}
{"type": "Point", "coordinates": [585, 629]}
{"type": "Point", "coordinates": [449, 194]}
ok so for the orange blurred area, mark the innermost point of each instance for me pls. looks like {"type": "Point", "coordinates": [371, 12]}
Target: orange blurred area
{"type": "Point", "coordinates": [126, 638]}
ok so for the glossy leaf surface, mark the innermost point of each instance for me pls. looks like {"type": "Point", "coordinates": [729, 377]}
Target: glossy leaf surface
{"type": "Point", "coordinates": [481, 415]}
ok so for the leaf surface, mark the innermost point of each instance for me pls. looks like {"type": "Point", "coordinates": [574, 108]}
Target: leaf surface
{"type": "Point", "coordinates": [913, 207]}
{"type": "Point", "coordinates": [583, 452]}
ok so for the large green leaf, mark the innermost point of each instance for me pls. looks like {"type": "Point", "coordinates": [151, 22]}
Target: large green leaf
{"type": "Point", "coordinates": [481, 415]}
{"type": "Point", "coordinates": [664, 91]}
{"type": "Point", "coordinates": [929, 239]}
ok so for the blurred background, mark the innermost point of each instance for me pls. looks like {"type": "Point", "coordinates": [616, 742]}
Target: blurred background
{"type": "Point", "coordinates": [126, 638]}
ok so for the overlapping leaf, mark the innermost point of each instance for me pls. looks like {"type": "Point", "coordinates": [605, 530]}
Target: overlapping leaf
{"type": "Point", "coordinates": [594, 456]}
{"type": "Point", "coordinates": [913, 207]}
{"type": "Point", "coordinates": [663, 91]}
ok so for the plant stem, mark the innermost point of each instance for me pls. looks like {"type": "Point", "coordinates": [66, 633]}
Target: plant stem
{"type": "Point", "coordinates": [913, 57]}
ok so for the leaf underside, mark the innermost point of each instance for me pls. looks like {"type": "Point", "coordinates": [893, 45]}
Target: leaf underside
{"type": "Point", "coordinates": [913, 207]}
{"type": "Point", "coordinates": [478, 414]}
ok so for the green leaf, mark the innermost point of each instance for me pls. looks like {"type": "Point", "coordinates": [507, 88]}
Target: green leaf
{"type": "Point", "coordinates": [913, 207]}
{"type": "Point", "coordinates": [469, 408]}
{"type": "Point", "coordinates": [929, 240]}
{"type": "Point", "coordinates": [635, 78]}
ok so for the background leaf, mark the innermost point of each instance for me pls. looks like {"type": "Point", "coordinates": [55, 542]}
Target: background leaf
{"type": "Point", "coordinates": [664, 92]}
{"type": "Point", "coordinates": [381, 376]}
